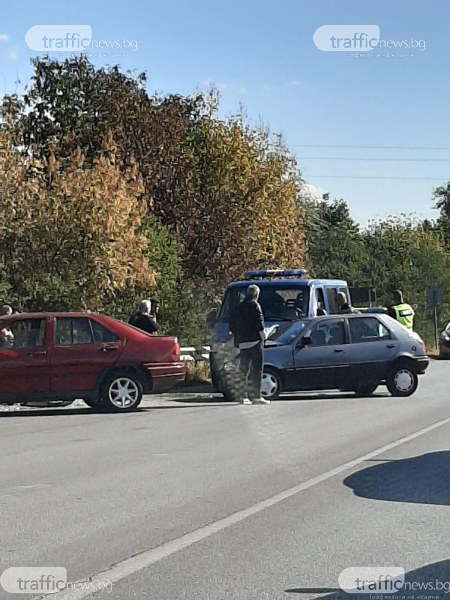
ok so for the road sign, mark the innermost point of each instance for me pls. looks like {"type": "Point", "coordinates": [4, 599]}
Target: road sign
{"type": "Point", "coordinates": [434, 297]}
{"type": "Point", "coordinates": [362, 295]}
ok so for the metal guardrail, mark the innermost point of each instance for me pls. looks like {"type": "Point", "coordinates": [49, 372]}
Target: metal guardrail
{"type": "Point", "coordinates": [193, 354]}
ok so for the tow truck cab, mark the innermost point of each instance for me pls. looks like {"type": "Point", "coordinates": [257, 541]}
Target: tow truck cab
{"type": "Point", "coordinates": [286, 296]}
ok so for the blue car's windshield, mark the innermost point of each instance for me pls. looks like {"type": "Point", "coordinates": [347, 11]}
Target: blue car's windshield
{"type": "Point", "coordinates": [279, 302]}
{"type": "Point", "coordinates": [289, 335]}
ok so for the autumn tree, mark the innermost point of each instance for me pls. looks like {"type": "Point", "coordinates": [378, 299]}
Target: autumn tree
{"type": "Point", "coordinates": [245, 211]}
{"type": "Point", "coordinates": [68, 234]}
{"type": "Point", "coordinates": [228, 196]}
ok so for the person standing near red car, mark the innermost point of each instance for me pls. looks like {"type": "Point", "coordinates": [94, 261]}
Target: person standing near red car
{"type": "Point", "coordinates": [247, 327]}
{"type": "Point", "coordinates": [144, 319]}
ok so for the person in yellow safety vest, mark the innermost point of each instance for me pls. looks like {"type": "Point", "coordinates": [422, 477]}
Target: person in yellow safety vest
{"type": "Point", "coordinates": [401, 311]}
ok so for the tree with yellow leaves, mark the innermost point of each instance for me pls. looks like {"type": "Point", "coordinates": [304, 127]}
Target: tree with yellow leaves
{"type": "Point", "coordinates": [68, 233]}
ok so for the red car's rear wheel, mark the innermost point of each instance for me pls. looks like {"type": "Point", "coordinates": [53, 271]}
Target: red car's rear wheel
{"type": "Point", "coordinates": [121, 392]}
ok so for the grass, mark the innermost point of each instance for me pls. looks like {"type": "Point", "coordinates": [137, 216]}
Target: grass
{"type": "Point", "coordinates": [197, 372]}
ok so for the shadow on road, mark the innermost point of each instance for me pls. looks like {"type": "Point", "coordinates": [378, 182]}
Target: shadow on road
{"type": "Point", "coordinates": [46, 412]}
{"type": "Point", "coordinates": [216, 398]}
{"type": "Point", "coordinates": [420, 479]}
{"type": "Point", "coordinates": [82, 410]}
{"type": "Point", "coordinates": [431, 582]}
{"type": "Point", "coordinates": [199, 403]}
{"type": "Point", "coordinates": [302, 396]}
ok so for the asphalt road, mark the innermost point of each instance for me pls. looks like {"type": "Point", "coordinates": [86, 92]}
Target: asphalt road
{"type": "Point", "coordinates": [191, 498]}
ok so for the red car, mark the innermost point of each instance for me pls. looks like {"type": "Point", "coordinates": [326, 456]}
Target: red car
{"type": "Point", "coordinates": [66, 356]}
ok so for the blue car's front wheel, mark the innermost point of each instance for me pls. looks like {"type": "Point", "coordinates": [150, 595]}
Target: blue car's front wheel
{"type": "Point", "coordinates": [271, 385]}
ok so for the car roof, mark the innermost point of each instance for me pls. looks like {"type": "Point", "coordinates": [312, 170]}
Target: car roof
{"type": "Point", "coordinates": [33, 315]}
{"type": "Point", "coordinates": [347, 316]}
{"type": "Point", "coordinates": [287, 281]}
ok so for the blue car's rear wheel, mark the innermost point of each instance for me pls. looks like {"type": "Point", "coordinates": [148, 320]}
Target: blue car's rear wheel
{"type": "Point", "coordinates": [402, 380]}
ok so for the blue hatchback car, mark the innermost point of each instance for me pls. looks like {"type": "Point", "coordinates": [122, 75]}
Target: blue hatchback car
{"type": "Point", "coordinates": [354, 353]}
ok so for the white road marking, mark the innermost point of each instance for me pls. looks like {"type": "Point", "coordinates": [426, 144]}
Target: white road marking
{"type": "Point", "coordinates": [143, 560]}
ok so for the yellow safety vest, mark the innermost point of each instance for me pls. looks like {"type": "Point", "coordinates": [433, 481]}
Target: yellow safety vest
{"type": "Point", "coordinates": [404, 314]}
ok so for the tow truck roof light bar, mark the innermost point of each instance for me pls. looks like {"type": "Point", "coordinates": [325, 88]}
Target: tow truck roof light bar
{"type": "Point", "coordinates": [272, 273]}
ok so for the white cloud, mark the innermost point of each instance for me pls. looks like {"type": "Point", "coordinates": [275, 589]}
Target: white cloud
{"type": "Point", "coordinates": [295, 82]}
{"type": "Point", "coordinates": [4, 37]}
{"type": "Point", "coordinates": [312, 192]}
{"type": "Point", "coordinates": [222, 86]}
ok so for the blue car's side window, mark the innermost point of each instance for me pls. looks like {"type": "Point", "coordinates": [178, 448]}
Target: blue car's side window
{"type": "Point", "coordinates": [328, 333]}
{"type": "Point", "coordinates": [368, 329]}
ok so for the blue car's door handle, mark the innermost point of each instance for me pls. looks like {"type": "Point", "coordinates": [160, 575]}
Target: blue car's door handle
{"type": "Point", "coordinates": [390, 345]}
{"type": "Point", "coordinates": [339, 350]}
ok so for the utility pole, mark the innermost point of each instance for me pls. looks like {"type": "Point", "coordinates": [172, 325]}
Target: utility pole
{"type": "Point", "coordinates": [435, 300]}
{"type": "Point", "coordinates": [436, 335]}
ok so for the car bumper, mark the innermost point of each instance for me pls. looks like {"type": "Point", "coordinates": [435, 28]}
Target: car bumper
{"type": "Point", "coordinates": [164, 376]}
{"type": "Point", "coordinates": [444, 348]}
{"type": "Point", "coordinates": [422, 364]}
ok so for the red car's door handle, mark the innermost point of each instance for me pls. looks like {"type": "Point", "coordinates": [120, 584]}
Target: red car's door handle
{"type": "Point", "coordinates": [109, 348]}
{"type": "Point", "coordinates": [38, 353]}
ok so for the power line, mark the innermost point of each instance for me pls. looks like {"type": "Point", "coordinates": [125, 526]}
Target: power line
{"type": "Point", "coordinates": [370, 158]}
{"type": "Point", "coordinates": [372, 177]}
{"type": "Point", "coordinates": [371, 147]}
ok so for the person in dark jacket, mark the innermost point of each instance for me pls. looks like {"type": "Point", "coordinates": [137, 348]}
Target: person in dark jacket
{"type": "Point", "coordinates": [247, 327]}
{"type": "Point", "coordinates": [144, 319]}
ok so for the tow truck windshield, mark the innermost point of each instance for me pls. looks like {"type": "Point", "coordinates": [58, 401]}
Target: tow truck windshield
{"type": "Point", "coordinates": [279, 302]}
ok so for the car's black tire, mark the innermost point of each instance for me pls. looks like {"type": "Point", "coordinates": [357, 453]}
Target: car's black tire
{"type": "Point", "coordinates": [121, 391]}
{"type": "Point", "coordinates": [402, 379]}
{"type": "Point", "coordinates": [271, 385]}
{"type": "Point", "coordinates": [365, 390]}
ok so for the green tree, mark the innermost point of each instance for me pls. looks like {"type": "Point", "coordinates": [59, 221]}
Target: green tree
{"type": "Point", "coordinates": [334, 243]}
{"type": "Point", "coordinates": [442, 198]}
{"type": "Point", "coordinates": [405, 254]}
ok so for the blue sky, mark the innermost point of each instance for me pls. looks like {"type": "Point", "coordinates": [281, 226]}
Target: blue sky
{"type": "Point", "coordinates": [261, 53]}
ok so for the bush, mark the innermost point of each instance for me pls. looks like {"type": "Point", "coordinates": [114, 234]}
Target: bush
{"type": "Point", "coordinates": [198, 372]}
